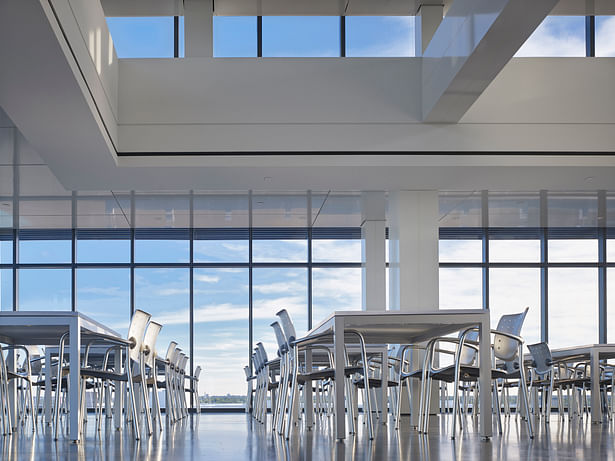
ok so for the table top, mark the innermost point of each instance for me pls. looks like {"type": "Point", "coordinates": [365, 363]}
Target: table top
{"type": "Point", "coordinates": [399, 327]}
{"type": "Point", "coordinates": [605, 351]}
{"type": "Point", "coordinates": [46, 327]}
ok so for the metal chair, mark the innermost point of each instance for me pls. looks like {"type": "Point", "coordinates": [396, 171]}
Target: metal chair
{"type": "Point", "coordinates": [132, 346]}
{"type": "Point", "coordinates": [507, 347]}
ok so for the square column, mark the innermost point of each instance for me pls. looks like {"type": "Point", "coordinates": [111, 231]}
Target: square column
{"type": "Point", "coordinates": [373, 255]}
{"type": "Point", "coordinates": [413, 251]}
{"type": "Point", "coordinates": [198, 28]}
{"type": "Point", "coordinates": [428, 18]}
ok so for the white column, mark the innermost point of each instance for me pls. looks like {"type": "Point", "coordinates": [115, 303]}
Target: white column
{"type": "Point", "coordinates": [413, 264]}
{"type": "Point", "coordinates": [413, 251]}
{"type": "Point", "coordinates": [198, 28]}
{"type": "Point", "coordinates": [373, 273]}
{"type": "Point", "coordinates": [426, 22]}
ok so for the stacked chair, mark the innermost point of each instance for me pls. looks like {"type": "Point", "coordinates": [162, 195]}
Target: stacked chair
{"type": "Point", "coordinates": [136, 383]}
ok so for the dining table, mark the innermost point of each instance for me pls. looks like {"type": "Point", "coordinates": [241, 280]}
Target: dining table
{"type": "Point", "coordinates": [382, 328]}
{"type": "Point", "coordinates": [46, 328]}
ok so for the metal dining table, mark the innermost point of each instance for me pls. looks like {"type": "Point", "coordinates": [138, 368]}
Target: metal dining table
{"type": "Point", "coordinates": [594, 353]}
{"type": "Point", "coordinates": [45, 328]}
{"type": "Point", "coordinates": [399, 327]}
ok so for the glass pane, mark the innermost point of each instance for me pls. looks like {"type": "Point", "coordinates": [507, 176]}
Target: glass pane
{"type": "Point", "coordinates": [461, 288]}
{"type": "Point", "coordinates": [6, 212]}
{"type": "Point", "coordinates": [510, 292]}
{"type": "Point", "coordinates": [522, 251]}
{"type": "Point", "coordinates": [45, 251]}
{"type": "Point", "coordinates": [335, 289]}
{"type": "Point", "coordinates": [165, 293]}
{"type": "Point", "coordinates": [301, 36]}
{"type": "Point", "coordinates": [458, 209]}
{"type": "Point", "coordinates": [6, 252]}
{"type": "Point", "coordinates": [336, 210]}
{"type": "Point", "coordinates": [6, 289]}
{"type": "Point", "coordinates": [234, 36]}
{"type": "Point", "coordinates": [221, 334]}
{"type": "Point", "coordinates": [610, 250]}
{"type": "Point", "coordinates": [379, 36]}
{"type": "Point", "coordinates": [104, 295]}
{"type": "Point", "coordinates": [573, 250]}
{"type": "Point", "coordinates": [573, 211]}
{"type": "Point", "coordinates": [162, 210]}
{"type": "Point", "coordinates": [556, 36]}
{"type": "Point", "coordinates": [336, 250]}
{"type": "Point", "coordinates": [142, 37]}
{"type": "Point", "coordinates": [610, 304]}
{"type": "Point", "coordinates": [275, 289]}
{"type": "Point", "coordinates": [103, 251]}
{"type": "Point", "coordinates": [605, 31]}
{"type": "Point", "coordinates": [225, 211]}
{"type": "Point", "coordinates": [45, 214]}
{"type": "Point", "coordinates": [279, 210]}
{"type": "Point", "coordinates": [454, 251]}
{"type": "Point", "coordinates": [573, 306]}
{"type": "Point", "coordinates": [103, 212]}
{"type": "Point", "coordinates": [44, 289]}
{"type": "Point", "coordinates": [279, 251]}
{"type": "Point", "coordinates": [214, 251]}
{"type": "Point", "coordinates": [514, 211]}
{"type": "Point", "coordinates": [162, 251]}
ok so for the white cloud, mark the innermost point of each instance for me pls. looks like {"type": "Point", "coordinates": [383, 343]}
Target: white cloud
{"type": "Point", "coordinates": [605, 37]}
{"type": "Point", "coordinates": [550, 40]}
{"type": "Point", "coordinates": [206, 278]}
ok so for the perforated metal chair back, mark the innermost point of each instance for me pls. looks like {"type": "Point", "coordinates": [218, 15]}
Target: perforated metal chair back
{"type": "Point", "coordinates": [171, 351]}
{"type": "Point", "coordinates": [506, 348]}
{"type": "Point", "coordinates": [197, 373]}
{"type": "Point", "coordinates": [468, 354]}
{"type": "Point", "coordinates": [541, 354]}
{"type": "Point", "coordinates": [287, 326]}
{"type": "Point", "coordinates": [136, 331]}
{"type": "Point", "coordinates": [262, 352]}
{"type": "Point", "coordinates": [149, 343]}
{"type": "Point", "coordinates": [281, 339]}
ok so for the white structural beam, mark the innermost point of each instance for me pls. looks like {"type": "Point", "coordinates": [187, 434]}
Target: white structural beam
{"type": "Point", "coordinates": [474, 42]}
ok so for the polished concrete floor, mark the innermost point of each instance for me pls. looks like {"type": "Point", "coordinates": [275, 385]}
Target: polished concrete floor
{"type": "Point", "coordinates": [235, 436]}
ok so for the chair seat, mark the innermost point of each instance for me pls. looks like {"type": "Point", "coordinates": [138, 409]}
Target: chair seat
{"type": "Point", "coordinates": [373, 383]}
{"type": "Point", "coordinates": [101, 374]}
{"type": "Point", "coordinates": [470, 373]}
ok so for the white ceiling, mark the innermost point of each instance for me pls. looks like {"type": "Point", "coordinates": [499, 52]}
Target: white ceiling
{"type": "Point", "coordinates": [44, 92]}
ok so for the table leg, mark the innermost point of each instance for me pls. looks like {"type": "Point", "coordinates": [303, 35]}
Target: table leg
{"type": "Point", "coordinates": [75, 371]}
{"type": "Point", "coordinates": [119, 392]}
{"type": "Point", "coordinates": [47, 394]}
{"type": "Point", "coordinates": [384, 413]}
{"type": "Point", "coordinates": [307, 390]}
{"type": "Point", "coordinates": [595, 386]}
{"type": "Point", "coordinates": [11, 365]}
{"type": "Point", "coordinates": [486, 429]}
{"type": "Point", "coordinates": [340, 362]}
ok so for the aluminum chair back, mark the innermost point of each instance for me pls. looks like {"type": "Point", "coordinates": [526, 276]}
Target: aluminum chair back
{"type": "Point", "coordinates": [136, 331]}
{"type": "Point", "coordinates": [149, 343]}
{"type": "Point", "coordinates": [506, 348]}
{"type": "Point", "coordinates": [279, 336]}
{"type": "Point", "coordinates": [287, 326]}
{"type": "Point", "coordinates": [263, 353]}
{"type": "Point", "coordinates": [468, 353]}
{"type": "Point", "coordinates": [197, 373]}
{"type": "Point", "coordinates": [541, 354]}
